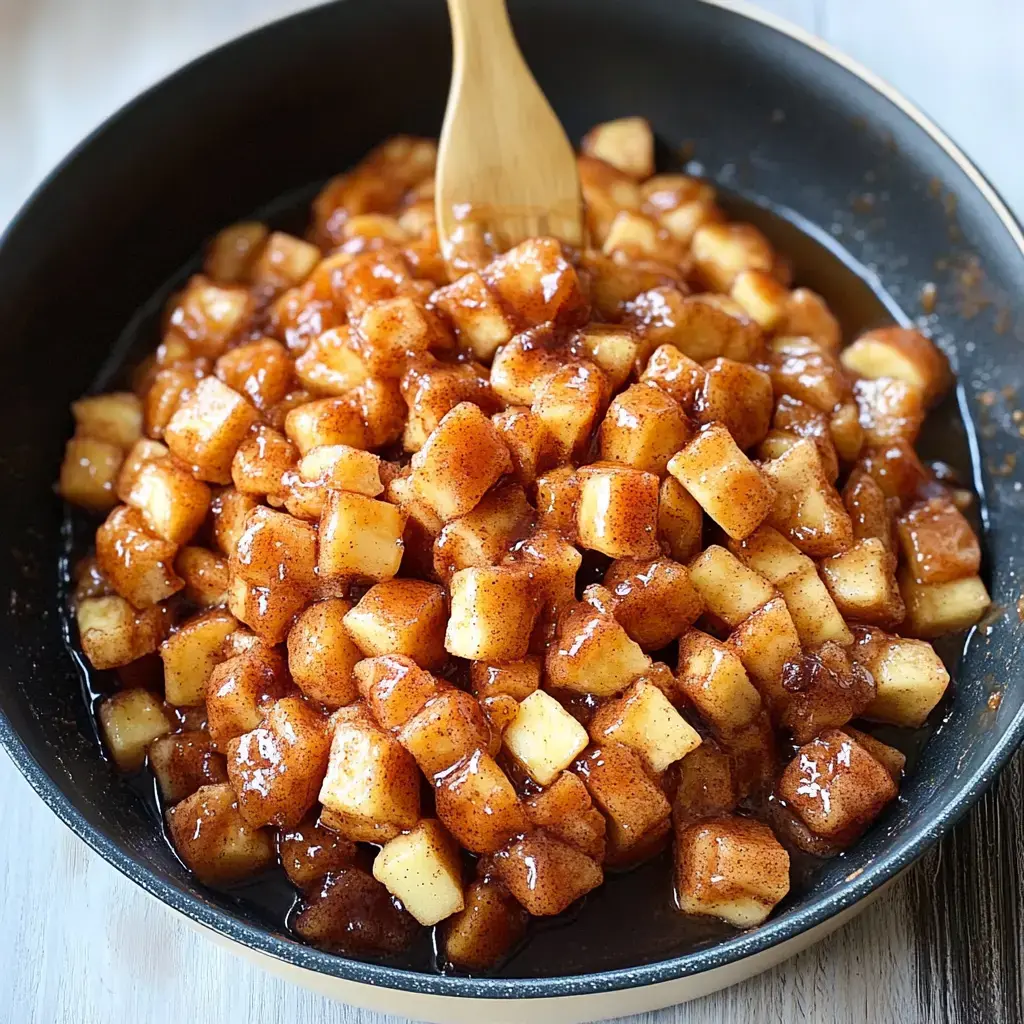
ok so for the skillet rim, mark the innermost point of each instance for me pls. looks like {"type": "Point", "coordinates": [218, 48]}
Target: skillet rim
{"type": "Point", "coordinates": [904, 852]}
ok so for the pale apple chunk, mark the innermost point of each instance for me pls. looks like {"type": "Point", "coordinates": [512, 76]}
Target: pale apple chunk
{"type": "Point", "coordinates": [206, 576]}
{"type": "Point", "coordinates": [449, 727]}
{"type": "Point", "coordinates": [342, 468]}
{"type": "Point", "coordinates": [401, 617]}
{"type": "Point", "coordinates": [481, 325]}
{"type": "Point", "coordinates": [90, 472]}
{"type": "Point", "coordinates": [326, 421]}
{"type": "Point", "coordinates": [277, 769]}
{"type": "Point", "coordinates": [487, 929]}
{"type": "Point", "coordinates": [617, 512]}
{"type": "Point", "coordinates": [592, 653]}
{"type": "Point", "coordinates": [183, 763]}
{"type": "Point", "coordinates": [261, 370]}
{"type": "Point", "coordinates": [626, 143]}
{"type": "Point", "coordinates": [392, 331]}
{"type": "Point", "coordinates": [423, 870]}
{"type": "Point", "coordinates": [902, 353]}
{"type": "Point", "coordinates": [551, 564]}
{"type": "Point", "coordinates": [889, 409]}
{"type": "Point", "coordinates": [360, 537]}
{"type": "Point", "coordinates": [613, 348]}
{"type": "Point", "coordinates": [938, 542]}
{"type": "Point", "coordinates": [680, 520]}
{"type": "Point", "coordinates": [493, 611]}
{"type": "Point", "coordinates": [330, 365]}
{"type": "Point", "coordinates": [862, 582]}
{"type": "Point", "coordinates": [729, 589]}
{"type": "Point", "coordinates": [229, 511]}
{"type": "Point", "coordinates": [569, 402]}
{"type": "Point", "coordinates": [544, 738]}
{"type": "Point", "coordinates": [213, 839]}
{"type": "Point", "coordinates": [207, 429]}
{"type": "Point", "coordinates": [536, 281]}
{"type": "Point", "coordinates": [937, 608]}
{"type": "Point", "coordinates": [144, 450]}
{"type": "Point", "coordinates": [516, 679]}
{"type": "Point", "coordinates": [808, 509]}
{"type": "Point", "coordinates": [546, 875]}
{"type": "Point", "coordinates": [276, 550]}
{"type": "Point", "coordinates": [267, 611]}
{"type": "Point", "coordinates": [713, 678]}
{"type": "Point", "coordinates": [283, 261]}
{"type": "Point", "coordinates": [814, 613]}
{"type": "Point", "coordinates": [910, 678]}
{"type": "Point", "coordinates": [484, 536]}
{"type": "Point", "coordinates": [870, 510]}
{"type": "Point", "coordinates": [114, 418]}
{"type": "Point", "coordinates": [765, 641]}
{"type": "Point", "coordinates": [322, 655]}
{"type": "Point", "coordinates": [731, 868]}
{"type": "Point", "coordinates": [770, 555]}
{"type": "Point", "coordinates": [762, 297]}
{"type": "Point", "coordinates": [113, 633]}
{"type": "Point", "coordinates": [655, 601]}
{"type": "Point", "coordinates": [261, 463]}
{"type": "Point", "coordinates": [606, 190]}
{"type": "Point", "coordinates": [557, 499]}
{"type": "Point", "coordinates": [728, 486]}
{"type": "Point", "coordinates": [635, 806]}
{"type": "Point", "coordinates": [723, 251]}
{"type": "Point", "coordinates": [394, 688]}
{"type": "Point", "coordinates": [835, 787]}
{"type": "Point", "coordinates": [478, 805]}
{"type": "Point", "coordinates": [191, 654]}
{"type": "Point", "coordinates": [371, 791]}
{"type": "Point", "coordinates": [644, 720]}
{"type": "Point", "coordinates": [522, 365]}
{"type": "Point", "coordinates": [644, 428]}
{"type": "Point", "coordinates": [565, 810]}
{"type": "Point", "coordinates": [138, 564]}
{"type": "Point", "coordinates": [460, 460]}
{"type": "Point", "coordinates": [131, 720]}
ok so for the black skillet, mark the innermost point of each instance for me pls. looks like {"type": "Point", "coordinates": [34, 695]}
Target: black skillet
{"type": "Point", "coordinates": [870, 199]}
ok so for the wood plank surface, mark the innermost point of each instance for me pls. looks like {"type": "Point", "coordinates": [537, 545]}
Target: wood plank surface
{"type": "Point", "coordinates": [81, 944]}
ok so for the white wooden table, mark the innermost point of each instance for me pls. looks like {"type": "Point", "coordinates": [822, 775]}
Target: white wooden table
{"type": "Point", "coordinates": [81, 944]}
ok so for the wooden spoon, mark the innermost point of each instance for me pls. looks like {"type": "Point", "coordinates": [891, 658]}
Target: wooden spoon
{"type": "Point", "coordinates": [505, 169]}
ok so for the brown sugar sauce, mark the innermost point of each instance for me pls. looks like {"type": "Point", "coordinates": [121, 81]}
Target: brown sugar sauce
{"type": "Point", "coordinates": [632, 919]}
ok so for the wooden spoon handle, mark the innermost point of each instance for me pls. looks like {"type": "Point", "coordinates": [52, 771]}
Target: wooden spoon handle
{"type": "Point", "coordinates": [484, 46]}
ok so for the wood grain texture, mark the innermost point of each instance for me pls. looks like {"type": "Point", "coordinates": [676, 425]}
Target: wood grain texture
{"type": "Point", "coordinates": [81, 944]}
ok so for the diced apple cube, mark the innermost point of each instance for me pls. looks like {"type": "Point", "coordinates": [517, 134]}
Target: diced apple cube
{"type": "Point", "coordinates": [765, 641]}
{"type": "Point", "coordinates": [207, 429]}
{"type": "Point", "coordinates": [680, 520]}
{"type": "Point", "coordinates": [478, 805]}
{"type": "Point", "coordinates": [870, 510]}
{"type": "Point", "coordinates": [728, 486]}
{"type": "Point", "coordinates": [529, 442]}
{"type": "Point", "coordinates": [568, 402]}
{"type": "Point", "coordinates": [371, 791]}
{"type": "Point", "coordinates": [889, 409]}
{"type": "Point", "coordinates": [938, 542]}
{"type": "Point", "coordinates": [322, 655]}
{"type": "Point", "coordinates": [481, 325]}
{"type": "Point", "coordinates": [626, 143]}
{"type": "Point", "coordinates": [564, 809]}
{"type": "Point", "coordinates": [617, 512]}
{"type": "Point", "coordinates": [739, 396]}
{"type": "Point", "coordinates": [592, 653]}
{"type": "Point", "coordinates": [326, 421]}
{"type": "Point", "coordinates": [644, 428]}
{"type": "Point", "coordinates": [309, 852]}
{"type": "Point", "coordinates": [706, 784]}
{"type": "Point", "coordinates": [902, 353]}
{"type": "Point", "coordinates": [937, 608]}
{"type": "Point", "coordinates": [267, 611]}
{"type": "Point", "coordinates": [131, 720]}
{"type": "Point", "coordinates": [723, 251]}
{"type": "Point", "coordinates": [557, 499]}
{"type": "Point", "coordinates": [731, 868]}
{"type": "Point", "coordinates": [183, 763]}
{"type": "Point", "coordinates": [261, 463]}
{"type": "Point", "coordinates": [449, 727]}
{"type": "Point", "coordinates": [330, 365]}
{"type": "Point", "coordinates": [192, 653]}
{"type": "Point", "coordinates": [487, 929]}
{"type": "Point", "coordinates": [275, 550]}
{"type": "Point", "coordinates": [113, 633]}
{"type": "Point", "coordinates": [493, 611]}
{"type": "Point", "coordinates": [891, 759]}
{"type": "Point", "coordinates": [114, 418]}
{"type": "Point", "coordinates": [342, 468]}
{"type": "Point", "coordinates": [360, 537]}
{"type": "Point", "coordinates": [459, 462]}
{"type": "Point", "coordinates": [676, 374]}
{"type": "Point", "coordinates": [537, 282]}
{"type": "Point", "coordinates": [655, 601]}
{"type": "Point", "coordinates": [814, 613]}
{"type": "Point", "coordinates": [277, 769]}
{"type": "Point", "coordinates": [229, 511]}
{"type": "Point", "coordinates": [261, 370]}
{"type": "Point", "coordinates": [611, 347]}
{"type": "Point", "coordinates": [910, 678]}
{"type": "Point", "coordinates": [205, 574]}
{"type": "Point", "coordinates": [422, 868]}
{"type": "Point", "coordinates": [835, 787]}
{"type": "Point", "coordinates": [89, 473]}
{"type": "Point", "coordinates": [392, 331]}
{"type": "Point", "coordinates": [213, 839]}
{"type": "Point", "coordinates": [546, 875]}
{"type": "Point", "coordinates": [138, 564]}
{"type": "Point", "coordinates": [730, 590]}
{"type": "Point", "coordinates": [544, 738]}
{"type": "Point", "coordinates": [284, 261]}
{"type": "Point", "coordinates": [401, 617]}
{"type": "Point", "coordinates": [644, 720]}
{"type": "Point", "coordinates": [516, 679]}
{"type": "Point", "coordinates": [636, 808]}
{"type": "Point", "coordinates": [713, 678]}
{"type": "Point", "coordinates": [862, 582]}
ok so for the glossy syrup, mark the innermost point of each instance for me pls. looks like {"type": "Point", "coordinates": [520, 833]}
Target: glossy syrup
{"type": "Point", "coordinates": [631, 919]}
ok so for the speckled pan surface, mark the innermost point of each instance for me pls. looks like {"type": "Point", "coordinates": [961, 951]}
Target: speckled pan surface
{"type": "Point", "coordinates": [281, 109]}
